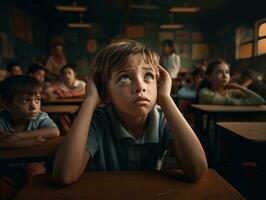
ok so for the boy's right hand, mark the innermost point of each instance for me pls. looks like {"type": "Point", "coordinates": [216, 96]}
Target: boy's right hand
{"type": "Point", "coordinates": [91, 91]}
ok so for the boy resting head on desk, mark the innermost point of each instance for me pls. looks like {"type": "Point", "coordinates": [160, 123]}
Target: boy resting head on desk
{"type": "Point", "coordinates": [130, 132]}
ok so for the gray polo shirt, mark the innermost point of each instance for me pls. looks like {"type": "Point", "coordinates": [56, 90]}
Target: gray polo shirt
{"type": "Point", "coordinates": [113, 148]}
{"type": "Point", "coordinates": [41, 121]}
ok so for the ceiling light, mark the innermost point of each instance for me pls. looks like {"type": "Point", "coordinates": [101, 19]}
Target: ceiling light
{"type": "Point", "coordinates": [71, 8]}
{"type": "Point", "coordinates": [79, 25]}
{"type": "Point", "coordinates": [171, 26]}
{"type": "Point", "coordinates": [184, 9]}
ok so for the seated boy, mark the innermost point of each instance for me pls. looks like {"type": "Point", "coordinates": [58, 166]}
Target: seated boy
{"type": "Point", "coordinates": [131, 132]}
{"type": "Point", "coordinates": [69, 86]}
{"type": "Point", "coordinates": [22, 124]}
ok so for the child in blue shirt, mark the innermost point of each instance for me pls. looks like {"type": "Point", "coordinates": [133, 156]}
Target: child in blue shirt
{"type": "Point", "coordinates": [22, 124]}
{"type": "Point", "coordinates": [130, 132]}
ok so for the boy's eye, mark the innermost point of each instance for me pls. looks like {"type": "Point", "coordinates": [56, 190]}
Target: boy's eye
{"type": "Point", "coordinates": [37, 100]}
{"type": "Point", "coordinates": [149, 76]}
{"type": "Point", "coordinates": [24, 101]}
{"type": "Point", "coordinates": [124, 78]}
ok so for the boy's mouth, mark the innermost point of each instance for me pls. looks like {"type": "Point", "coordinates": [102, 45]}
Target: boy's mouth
{"type": "Point", "coordinates": [141, 99]}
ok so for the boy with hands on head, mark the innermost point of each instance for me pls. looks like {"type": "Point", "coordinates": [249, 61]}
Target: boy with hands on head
{"type": "Point", "coordinates": [130, 132]}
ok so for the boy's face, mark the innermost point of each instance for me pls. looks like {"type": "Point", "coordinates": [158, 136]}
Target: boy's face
{"type": "Point", "coordinates": [132, 89]}
{"type": "Point", "coordinates": [39, 76]}
{"type": "Point", "coordinates": [69, 77]}
{"type": "Point", "coordinates": [16, 70]}
{"type": "Point", "coordinates": [25, 107]}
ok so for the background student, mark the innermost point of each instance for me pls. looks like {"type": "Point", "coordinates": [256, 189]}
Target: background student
{"type": "Point", "coordinates": [217, 89]}
{"type": "Point", "coordinates": [22, 124]}
{"type": "Point", "coordinates": [14, 68]}
{"type": "Point", "coordinates": [130, 132]}
{"type": "Point", "coordinates": [170, 60]}
{"type": "Point", "coordinates": [69, 86]}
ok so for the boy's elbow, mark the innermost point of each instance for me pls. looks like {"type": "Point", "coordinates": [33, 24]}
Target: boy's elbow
{"type": "Point", "coordinates": [63, 179]}
{"type": "Point", "coordinates": [55, 132]}
{"type": "Point", "coordinates": [199, 172]}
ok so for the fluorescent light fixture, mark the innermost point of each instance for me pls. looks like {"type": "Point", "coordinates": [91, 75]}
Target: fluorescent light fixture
{"type": "Point", "coordinates": [79, 25]}
{"type": "Point", "coordinates": [171, 26]}
{"type": "Point", "coordinates": [145, 7]}
{"type": "Point", "coordinates": [71, 8]}
{"type": "Point", "coordinates": [184, 9]}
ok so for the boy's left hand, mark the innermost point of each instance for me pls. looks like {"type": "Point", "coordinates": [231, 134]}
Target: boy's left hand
{"type": "Point", "coordinates": [164, 84]}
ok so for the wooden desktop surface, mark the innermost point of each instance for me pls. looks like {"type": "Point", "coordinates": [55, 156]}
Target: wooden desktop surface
{"type": "Point", "coordinates": [66, 101]}
{"type": "Point", "coordinates": [253, 131]}
{"type": "Point", "coordinates": [60, 109]}
{"type": "Point", "coordinates": [131, 185]}
{"type": "Point", "coordinates": [47, 148]}
{"type": "Point", "coordinates": [228, 108]}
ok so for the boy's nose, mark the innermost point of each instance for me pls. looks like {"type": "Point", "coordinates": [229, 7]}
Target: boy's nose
{"type": "Point", "coordinates": [139, 86]}
{"type": "Point", "coordinates": [33, 105]}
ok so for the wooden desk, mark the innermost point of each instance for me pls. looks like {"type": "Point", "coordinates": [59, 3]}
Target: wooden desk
{"type": "Point", "coordinates": [42, 151]}
{"type": "Point", "coordinates": [219, 113]}
{"type": "Point", "coordinates": [63, 101]}
{"type": "Point", "coordinates": [131, 185]}
{"type": "Point", "coordinates": [60, 109]}
{"type": "Point", "coordinates": [241, 141]}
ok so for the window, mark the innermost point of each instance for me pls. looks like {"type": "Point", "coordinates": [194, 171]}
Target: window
{"type": "Point", "coordinates": [244, 42]}
{"type": "Point", "coordinates": [260, 37]}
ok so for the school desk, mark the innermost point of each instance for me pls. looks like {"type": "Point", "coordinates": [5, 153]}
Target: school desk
{"type": "Point", "coordinates": [40, 152]}
{"type": "Point", "coordinates": [219, 113]}
{"type": "Point", "coordinates": [131, 185]}
{"type": "Point", "coordinates": [60, 109]}
{"type": "Point", "coordinates": [63, 101]}
{"type": "Point", "coordinates": [241, 141]}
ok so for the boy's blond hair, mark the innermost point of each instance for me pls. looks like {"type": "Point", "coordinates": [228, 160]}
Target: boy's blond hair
{"type": "Point", "coordinates": [116, 56]}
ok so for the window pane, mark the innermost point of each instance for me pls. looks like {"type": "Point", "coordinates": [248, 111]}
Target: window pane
{"type": "Point", "coordinates": [262, 30]}
{"type": "Point", "coordinates": [262, 46]}
{"type": "Point", "coordinates": [245, 50]}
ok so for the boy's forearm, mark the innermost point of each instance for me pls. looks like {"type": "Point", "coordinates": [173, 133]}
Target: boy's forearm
{"type": "Point", "coordinates": [71, 157]}
{"type": "Point", "coordinates": [43, 132]}
{"type": "Point", "coordinates": [189, 151]}
{"type": "Point", "coordinates": [20, 144]}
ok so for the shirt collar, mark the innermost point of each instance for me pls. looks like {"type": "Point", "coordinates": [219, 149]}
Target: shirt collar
{"type": "Point", "coordinates": [151, 132]}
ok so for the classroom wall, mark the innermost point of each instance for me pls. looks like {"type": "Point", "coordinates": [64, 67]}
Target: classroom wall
{"type": "Point", "coordinates": [12, 32]}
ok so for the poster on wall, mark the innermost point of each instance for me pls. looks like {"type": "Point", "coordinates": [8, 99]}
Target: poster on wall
{"type": "Point", "coordinates": [166, 36]}
{"type": "Point", "coordinates": [21, 25]}
{"type": "Point", "coordinates": [196, 37]}
{"type": "Point", "coordinates": [91, 46]}
{"type": "Point", "coordinates": [135, 31]}
{"type": "Point", "coordinates": [182, 35]}
{"type": "Point", "coordinates": [7, 46]}
{"type": "Point", "coordinates": [200, 51]}
{"type": "Point", "coordinates": [57, 39]}
{"type": "Point", "coordinates": [183, 50]}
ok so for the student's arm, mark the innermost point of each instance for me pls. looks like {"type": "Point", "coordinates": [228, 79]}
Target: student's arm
{"type": "Point", "coordinates": [13, 141]}
{"type": "Point", "coordinates": [27, 138]}
{"type": "Point", "coordinates": [188, 150]}
{"type": "Point", "coordinates": [71, 158]}
{"type": "Point", "coordinates": [249, 97]}
{"type": "Point", "coordinates": [42, 132]}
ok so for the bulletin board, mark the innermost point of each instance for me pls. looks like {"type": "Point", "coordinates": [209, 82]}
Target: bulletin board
{"type": "Point", "coordinates": [21, 25]}
{"type": "Point", "coordinates": [135, 31]}
{"type": "Point", "coordinates": [200, 51]}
